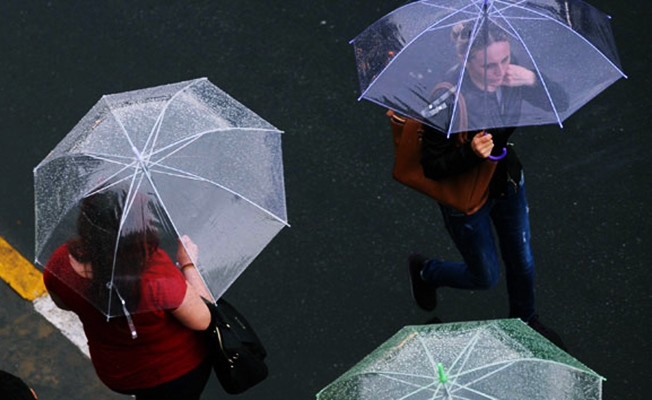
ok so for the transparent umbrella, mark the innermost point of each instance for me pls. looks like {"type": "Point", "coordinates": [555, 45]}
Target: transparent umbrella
{"type": "Point", "coordinates": [184, 159]}
{"type": "Point", "coordinates": [499, 359]}
{"type": "Point", "coordinates": [561, 55]}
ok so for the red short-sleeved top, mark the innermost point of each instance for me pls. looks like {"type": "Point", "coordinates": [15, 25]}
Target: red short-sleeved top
{"type": "Point", "coordinates": [164, 349]}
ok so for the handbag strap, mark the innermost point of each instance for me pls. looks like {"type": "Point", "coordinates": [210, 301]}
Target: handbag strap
{"type": "Point", "coordinates": [228, 358]}
{"type": "Point", "coordinates": [438, 105]}
{"type": "Point", "coordinates": [461, 106]}
{"type": "Point", "coordinates": [214, 328]}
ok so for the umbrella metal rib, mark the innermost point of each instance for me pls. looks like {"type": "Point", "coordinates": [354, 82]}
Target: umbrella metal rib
{"type": "Point", "coordinates": [543, 17]}
{"type": "Point", "coordinates": [407, 45]}
{"type": "Point", "coordinates": [147, 167]}
{"type": "Point", "coordinates": [195, 161]}
{"type": "Point", "coordinates": [389, 78]}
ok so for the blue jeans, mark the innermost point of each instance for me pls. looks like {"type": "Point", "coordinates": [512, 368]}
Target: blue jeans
{"type": "Point", "coordinates": [473, 236]}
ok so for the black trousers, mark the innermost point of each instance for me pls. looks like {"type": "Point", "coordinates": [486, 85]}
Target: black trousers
{"type": "Point", "coordinates": [187, 387]}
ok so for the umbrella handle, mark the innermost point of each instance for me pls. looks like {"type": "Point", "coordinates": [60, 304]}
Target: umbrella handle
{"type": "Point", "coordinates": [500, 157]}
{"type": "Point", "coordinates": [497, 158]}
{"type": "Point", "coordinates": [442, 375]}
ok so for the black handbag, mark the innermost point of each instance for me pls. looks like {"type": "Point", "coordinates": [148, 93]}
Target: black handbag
{"type": "Point", "coordinates": [236, 351]}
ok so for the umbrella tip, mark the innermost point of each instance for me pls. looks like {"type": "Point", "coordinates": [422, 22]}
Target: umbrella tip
{"type": "Point", "coordinates": [442, 375]}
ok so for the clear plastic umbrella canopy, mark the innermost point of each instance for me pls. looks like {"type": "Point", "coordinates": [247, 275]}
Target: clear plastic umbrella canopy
{"type": "Point", "coordinates": [499, 359]}
{"type": "Point", "coordinates": [162, 162]}
{"type": "Point", "coordinates": [567, 45]}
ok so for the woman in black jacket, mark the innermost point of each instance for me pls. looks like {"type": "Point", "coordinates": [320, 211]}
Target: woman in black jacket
{"type": "Point", "coordinates": [494, 89]}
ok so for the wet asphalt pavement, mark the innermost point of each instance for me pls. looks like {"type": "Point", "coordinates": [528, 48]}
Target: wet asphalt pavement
{"type": "Point", "coordinates": [333, 286]}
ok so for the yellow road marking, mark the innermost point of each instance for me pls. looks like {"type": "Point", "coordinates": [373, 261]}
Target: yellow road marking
{"type": "Point", "coordinates": [27, 281]}
{"type": "Point", "coordinates": [19, 273]}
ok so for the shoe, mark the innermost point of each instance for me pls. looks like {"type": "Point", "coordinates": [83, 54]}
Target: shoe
{"type": "Point", "coordinates": [424, 293]}
{"type": "Point", "coordinates": [546, 332]}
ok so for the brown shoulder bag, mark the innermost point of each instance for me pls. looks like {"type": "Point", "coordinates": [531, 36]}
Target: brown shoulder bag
{"type": "Point", "coordinates": [466, 192]}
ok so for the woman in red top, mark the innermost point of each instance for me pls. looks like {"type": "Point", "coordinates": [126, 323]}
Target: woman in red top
{"type": "Point", "coordinates": [157, 349]}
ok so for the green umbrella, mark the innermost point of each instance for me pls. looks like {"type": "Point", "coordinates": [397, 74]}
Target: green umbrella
{"type": "Point", "coordinates": [499, 359]}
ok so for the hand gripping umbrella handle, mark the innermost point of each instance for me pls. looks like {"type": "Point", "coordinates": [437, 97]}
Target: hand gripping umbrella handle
{"type": "Point", "coordinates": [500, 157]}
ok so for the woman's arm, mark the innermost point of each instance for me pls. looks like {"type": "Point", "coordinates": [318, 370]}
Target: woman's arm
{"type": "Point", "coordinates": [192, 312]}
{"type": "Point", "coordinates": [441, 158]}
{"type": "Point", "coordinates": [187, 252]}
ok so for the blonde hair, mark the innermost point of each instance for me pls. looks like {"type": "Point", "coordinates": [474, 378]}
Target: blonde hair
{"type": "Point", "coordinates": [487, 34]}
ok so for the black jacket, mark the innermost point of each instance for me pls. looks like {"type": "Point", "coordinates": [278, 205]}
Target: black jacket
{"type": "Point", "coordinates": [443, 157]}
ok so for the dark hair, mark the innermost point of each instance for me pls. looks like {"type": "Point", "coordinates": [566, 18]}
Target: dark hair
{"type": "Point", "coordinates": [487, 34]}
{"type": "Point", "coordinates": [13, 388]}
{"type": "Point", "coordinates": [116, 246]}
